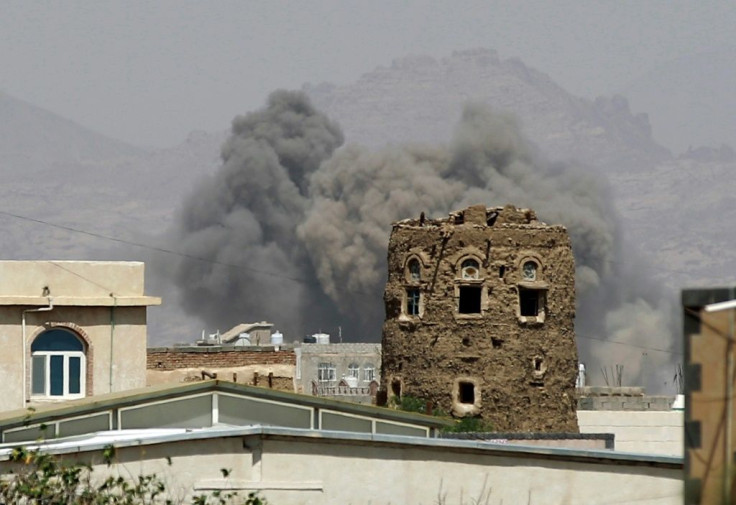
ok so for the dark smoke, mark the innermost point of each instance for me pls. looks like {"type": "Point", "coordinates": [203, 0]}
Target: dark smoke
{"type": "Point", "coordinates": [309, 224]}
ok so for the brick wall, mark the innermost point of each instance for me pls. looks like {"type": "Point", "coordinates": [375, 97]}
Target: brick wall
{"type": "Point", "coordinates": [173, 358]}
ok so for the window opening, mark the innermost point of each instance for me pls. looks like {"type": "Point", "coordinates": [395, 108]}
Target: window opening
{"type": "Point", "coordinates": [396, 387]}
{"type": "Point", "coordinates": [369, 373]}
{"type": "Point", "coordinates": [529, 271]}
{"type": "Point", "coordinates": [466, 392]}
{"type": "Point", "coordinates": [470, 269]}
{"type": "Point", "coordinates": [469, 300]}
{"type": "Point", "coordinates": [538, 363]}
{"type": "Point", "coordinates": [353, 370]}
{"type": "Point", "coordinates": [326, 372]}
{"type": "Point", "coordinates": [415, 270]}
{"type": "Point", "coordinates": [58, 365]}
{"type": "Point", "coordinates": [531, 301]}
{"type": "Point", "coordinates": [501, 271]}
{"type": "Point", "coordinates": [412, 301]}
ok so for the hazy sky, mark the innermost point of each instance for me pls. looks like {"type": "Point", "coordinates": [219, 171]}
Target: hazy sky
{"type": "Point", "coordinates": [151, 72]}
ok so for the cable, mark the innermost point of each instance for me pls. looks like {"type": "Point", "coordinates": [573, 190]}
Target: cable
{"type": "Point", "coordinates": [578, 335]}
{"type": "Point", "coordinates": [255, 270]}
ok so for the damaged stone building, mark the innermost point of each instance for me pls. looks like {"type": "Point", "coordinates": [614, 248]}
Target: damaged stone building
{"type": "Point", "coordinates": [480, 310]}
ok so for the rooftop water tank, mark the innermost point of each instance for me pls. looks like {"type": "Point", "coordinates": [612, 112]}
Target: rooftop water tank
{"type": "Point", "coordinates": [277, 338]}
{"type": "Point", "coordinates": [322, 338]}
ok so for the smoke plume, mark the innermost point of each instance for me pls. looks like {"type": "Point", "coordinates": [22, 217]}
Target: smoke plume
{"type": "Point", "coordinates": [294, 230]}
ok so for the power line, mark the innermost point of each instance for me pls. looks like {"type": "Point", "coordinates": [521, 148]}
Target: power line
{"type": "Point", "coordinates": [260, 272]}
{"type": "Point", "coordinates": [657, 349]}
{"type": "Point", "coordinates": [155, 248]}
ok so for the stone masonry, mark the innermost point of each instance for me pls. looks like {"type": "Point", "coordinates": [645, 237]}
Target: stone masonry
{"type": "Point", "coordinates": [480, 310]}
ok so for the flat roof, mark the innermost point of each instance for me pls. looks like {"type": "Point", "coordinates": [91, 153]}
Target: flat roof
{"type": "Point", "coordinates": [134, 438]}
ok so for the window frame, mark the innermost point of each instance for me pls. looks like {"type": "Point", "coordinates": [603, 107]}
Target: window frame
{"type": "Point", "coordinates": [326, 372]}
{"type": "Point", "coordinates": [413, 305]}
{"type": "Point", "coordinates": [65, 375]}
{"type": "Point", "coordinates": [353, 370]}
{"type": "Point", "coordinates": [470, 272]}
{"type": "Point", "coordinates": [369, 373]}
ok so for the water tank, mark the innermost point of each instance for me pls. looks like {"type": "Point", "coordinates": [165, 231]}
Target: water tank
{"type": "Point", "coordinates": [310, 339]}
{"type": "Point", "coordinates": [322, 338]}
{"type": "Point", "coordinates": [277, 338]}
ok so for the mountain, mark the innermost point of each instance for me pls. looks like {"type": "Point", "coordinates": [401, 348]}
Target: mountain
{"type": "Point", "coordinates": [33, 140]}
{"type": "Point", "coordinates": [419, 99]}
{"type": "Point", "coordinates": [60, 176]}
{"type": "Point", "coordinates": [690, 99]}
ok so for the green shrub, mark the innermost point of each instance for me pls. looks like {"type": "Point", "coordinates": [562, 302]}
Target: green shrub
{"type": "Point", "coordinates": [43, 479]}
{"type": "Point", "coordinates": [463, 425]}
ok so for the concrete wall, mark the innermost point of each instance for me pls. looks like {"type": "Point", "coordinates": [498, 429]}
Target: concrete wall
{"type": "Point", "coordinates": [650, 432]}
{"type": "Point", "coordinates": [115, 358]}
{"type": "Point", "coordinates": [337, 469]}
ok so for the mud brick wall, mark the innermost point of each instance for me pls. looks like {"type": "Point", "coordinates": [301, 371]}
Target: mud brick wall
{"type": "Point", "coordinates": [480, 310]}
{"type": "Point", "coordinates": [168, 358]}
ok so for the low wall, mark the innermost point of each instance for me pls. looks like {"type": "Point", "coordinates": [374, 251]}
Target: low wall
{"type": "Point", "coordinates": [290, 467]}
{"type": "Point", "coordinates": [650, 432]}
{"type": "Point", "coordinates": [265, 366]}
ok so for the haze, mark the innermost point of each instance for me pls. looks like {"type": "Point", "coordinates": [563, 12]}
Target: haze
{"type": "Point", "coordinates": [148, 73]}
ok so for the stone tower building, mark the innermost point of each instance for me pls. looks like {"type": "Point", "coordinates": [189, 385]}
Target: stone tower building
{"type": "Point", "coordinates": [480, 311]}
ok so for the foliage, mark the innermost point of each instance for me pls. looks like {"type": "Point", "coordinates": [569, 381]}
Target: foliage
{"type": "Point", "coordinates": [43, 479]}
{"type": "Point", "coordinates": [464, 425]}
{"type": "Point", "coordinates": [469, 425]}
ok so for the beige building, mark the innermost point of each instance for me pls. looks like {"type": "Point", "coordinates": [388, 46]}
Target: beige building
{"type": "Point", "coordinates": [709, 319]}
{"type": "Point", "coordinates": [344, 371]}
{"type": "Point", "coordinates": [71, 329]}
{"type": "Point", "coordinates": [480, 310]}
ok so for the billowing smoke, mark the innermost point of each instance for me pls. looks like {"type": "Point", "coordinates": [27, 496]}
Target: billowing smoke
{"type": "Point", "coordinates": [295, 231]}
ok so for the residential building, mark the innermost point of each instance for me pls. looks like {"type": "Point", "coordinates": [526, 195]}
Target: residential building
{"type": "Point", "coordinates": [709, 328]}
{"type": "Point", "coordinates": [71, 329]}
{"type": "Point", "coordinates": [348, 371]}
{"type": "Point", "coordinates": [480, 310]}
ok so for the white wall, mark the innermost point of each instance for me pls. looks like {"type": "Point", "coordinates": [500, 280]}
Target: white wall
{"type": "Point", "coordinates": [290, 467]}
{"type": "Point", "coordinates": [651, 432]}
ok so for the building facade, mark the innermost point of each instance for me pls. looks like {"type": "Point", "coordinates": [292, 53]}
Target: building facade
{"type": "Point", "coordinates": [709, 331]}
{"type": "Point", "coordinates": [480, 310]}
{"type": "Point", "coordinates": [71, 329]}
{"type": "Point", "coordinates": [346, 371]}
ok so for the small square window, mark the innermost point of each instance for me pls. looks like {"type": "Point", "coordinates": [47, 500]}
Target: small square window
{"type": "Point", "coordinates": [469, 300]}
{"type": "Point", "coordinates": [531, 302]}
{"type": "Point", "coordinates": [466, 393]}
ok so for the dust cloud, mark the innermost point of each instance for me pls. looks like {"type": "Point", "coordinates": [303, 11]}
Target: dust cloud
{"type": "Point", "coordinates": [294, 228]}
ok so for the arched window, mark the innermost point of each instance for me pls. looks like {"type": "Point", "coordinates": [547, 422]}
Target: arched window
{"type": "Point", "coordinates": [353, 370]}
{"type": "Point", "coordinates": [470, 269]}
{"type": "Point", "coordinates": [58, 365]}
{"type": "Point", "coordinates": [369, 373]}
{"type": "Point", "coordinates": [415, 270]}
{"type": "Point", "coordinates": [529, 271]}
